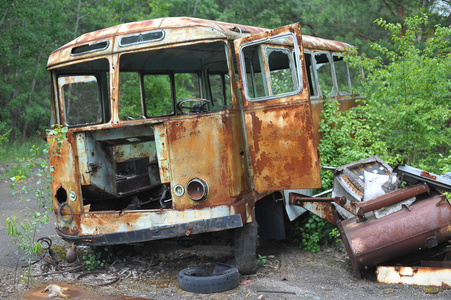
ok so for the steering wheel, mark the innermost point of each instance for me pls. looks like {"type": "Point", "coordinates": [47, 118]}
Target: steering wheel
{"type": "Point", "coordinates": [200, 107]}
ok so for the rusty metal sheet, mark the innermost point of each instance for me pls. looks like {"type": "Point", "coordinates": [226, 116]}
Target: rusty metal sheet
{"type": "Point", "coordinates": [202, 146]}
{"type": "Point", "coordinates": [374, 241]}
{"type": "Point", "coordinates": [65, 172]}
{"type": "Point", "coordinates": [178, 229]}
{"type": "Point", "coordinates": [415, 275]}
{"type": "Point", "coordinates": [161, 142]}
{"type": "Point", "coordinates": [281, 147]}
{"type": "Point", "coordinates": [279, 131]}
{"type": "Point", "coordinates": [180, 30]}
{"type": "Point", "coordinates": [391, 198]}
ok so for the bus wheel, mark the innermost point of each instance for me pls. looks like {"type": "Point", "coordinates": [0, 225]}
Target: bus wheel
{"type": "Point", "coordinates": [246, 248]}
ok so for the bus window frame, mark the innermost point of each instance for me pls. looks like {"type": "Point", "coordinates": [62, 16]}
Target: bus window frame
{"type": "Point", "coordinates": [334, 92]}
{"type": "Point", "coordinates": [102, 97]}
{"type": "Point", "coordinates": [296, 62]}
{"type": "Point", "coordinates": [348, 75]}
{"type": "Point", "coordinates": [313, 73]}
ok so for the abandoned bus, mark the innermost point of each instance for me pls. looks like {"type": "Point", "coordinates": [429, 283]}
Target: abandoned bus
{"type": "Point", "coordinates": [182, 126]}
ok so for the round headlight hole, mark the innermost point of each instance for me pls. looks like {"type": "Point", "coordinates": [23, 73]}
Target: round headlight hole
{"type": "Point", "coordinates": [197, 189]}
{"type": "Point", "coordinates": [61, 195]}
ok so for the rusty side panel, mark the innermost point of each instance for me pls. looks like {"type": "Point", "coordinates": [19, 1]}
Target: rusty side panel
{"type": "Point", "coordinates": [106, 222]}
{"type": "Point", "coordinates": [200, 146]}
{"type": "Point", "coordinates": [281, 147]}
{"type": "Point", "coordinates": [65, 165]}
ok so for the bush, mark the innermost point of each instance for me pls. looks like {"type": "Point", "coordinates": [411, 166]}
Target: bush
{"type": "Point", "coordinates": [407, 93]}
{"type": "Point", "coordinates": [404, 118]}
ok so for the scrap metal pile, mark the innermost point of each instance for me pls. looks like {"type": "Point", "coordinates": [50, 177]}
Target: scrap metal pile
{"type": "Point", "coordinates": [385, 214]}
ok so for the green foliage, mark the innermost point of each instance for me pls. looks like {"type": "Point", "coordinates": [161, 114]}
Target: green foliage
{"type": "Point", "coordinates": [58, 133]}
{"type": "Point", "coordinates": [346, 137]}
{"type": "Point", "coordinates": [31, 29]}
{"type": "Point", "coordinates": [36, 197]}
{"type": "Point", "coordinates": [261, 260]}
{"type": "Point", "coordinates": [315, 232]}
{"type": "Point", "coordinates": [22, 234]}
{"type": "Point", "coordinates": [405, 116]}
{"type": "Point", "coordinates": [407, 99]}
{"type": "Point", "coordinates": [4, 133]}
{"type": "Point", "coordinates": [96, 259]}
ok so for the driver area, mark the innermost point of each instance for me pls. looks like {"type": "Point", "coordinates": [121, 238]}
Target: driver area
{"type": "Point", "coordinates": [184, 80]}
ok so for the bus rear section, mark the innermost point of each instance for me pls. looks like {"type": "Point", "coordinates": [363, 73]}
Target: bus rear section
{"type": "Point", "coordinates": [177, 127]}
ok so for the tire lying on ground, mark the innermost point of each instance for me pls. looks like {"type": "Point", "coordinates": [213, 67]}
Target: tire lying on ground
{"type": "Point", "coordinates": [195, 280]}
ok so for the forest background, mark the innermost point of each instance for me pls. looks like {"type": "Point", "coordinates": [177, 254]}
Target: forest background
{"type": "Point", "coordinates": [409, 115]}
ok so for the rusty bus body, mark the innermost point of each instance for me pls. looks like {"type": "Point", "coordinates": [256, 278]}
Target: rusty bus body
{"type": "Point", "coordinates": [179, 126]}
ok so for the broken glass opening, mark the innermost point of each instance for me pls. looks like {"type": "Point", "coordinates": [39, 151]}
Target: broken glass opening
{"type": "Point", "coordinates": [151, 36]}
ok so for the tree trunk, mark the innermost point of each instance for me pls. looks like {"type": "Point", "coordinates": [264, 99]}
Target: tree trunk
{"type": "Point", "coordinates": [33, 87]}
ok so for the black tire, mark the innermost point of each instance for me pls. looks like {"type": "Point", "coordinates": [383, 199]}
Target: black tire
{"type": "Point", "coordinates": [195, 280]}
{"type": "Point", "coordinates": [245, 243]}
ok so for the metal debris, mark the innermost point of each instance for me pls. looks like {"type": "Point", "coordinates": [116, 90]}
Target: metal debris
{"type": "Point", "coordinates": [415, 275]}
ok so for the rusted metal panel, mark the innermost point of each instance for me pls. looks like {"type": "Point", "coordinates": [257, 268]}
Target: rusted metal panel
{"type": "Point", "coordinates": [279, 131]}
{"type": "Point", "coordinates": [413, 175]}
{"type": "Point", "coordinates": [161, 142]}
{"type": "Point", "coordinates": [415, 275]}
{"type": "Point", "coordinates": [374, 241]}
{"type": "Point", "coordinates": [119, 226]}
{"type": "Point", "coordinates": [320, 206]}
{"type": "Point", "coordinates": [95, 163]}
{"type": "Point", "coordinates": [65, 165]}
{"type": "Point", "coordinates": [391, 198]}
{"type": "Point", "coordinates": [179, 30]}
{"type": "Point", "coordinates": [199, 147]}
{"type": "Point", "coordinates": [280, 140]}
{"type": "Point", "coordinates": [178, 229]}
{"type": "Point", "coordinates": [121, 221]}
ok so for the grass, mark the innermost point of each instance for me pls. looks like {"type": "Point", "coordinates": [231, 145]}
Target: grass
{"type": "Point", "coordinates": [12, 152]}
{"type": "Point", "coordinates": [15, 153]}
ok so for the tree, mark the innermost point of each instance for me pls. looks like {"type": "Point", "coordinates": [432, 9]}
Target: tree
{"type": "Point", "coordinates": [406, 115]}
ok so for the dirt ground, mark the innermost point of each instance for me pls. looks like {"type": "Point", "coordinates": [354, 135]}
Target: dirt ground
{"type": "Point", "coordinates": [149, 271]}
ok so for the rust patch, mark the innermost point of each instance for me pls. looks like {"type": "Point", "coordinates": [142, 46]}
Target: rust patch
{"type": "Point", "coordinates": [428, 175]}
{"type": "Point", "coordinates": [351, 185]}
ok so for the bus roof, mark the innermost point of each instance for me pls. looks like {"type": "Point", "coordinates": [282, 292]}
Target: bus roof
{"type": "Point", "coordinates": [164, 31]}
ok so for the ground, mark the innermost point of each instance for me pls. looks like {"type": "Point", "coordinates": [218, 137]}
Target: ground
{"type": "Point", "coordinates": [150, 271]}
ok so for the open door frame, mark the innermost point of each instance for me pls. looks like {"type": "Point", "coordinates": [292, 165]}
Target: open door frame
{"type": "Point", "coordinates": [278, 128]}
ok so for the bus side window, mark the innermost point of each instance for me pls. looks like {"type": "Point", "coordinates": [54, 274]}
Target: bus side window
{"type": "Point", "coordinates": [256, 86]}
{"type": "Point", "coordinates": [271, 68]}
{"type": "Point", "coordinates": [220, 91]}
{"type": "Point", "coordinates": [187, 85]}
{"type": "Point", "coordinates": [342, 75]}
{"type": "Point", "coordinates": [283, 78]}
{"type": "Point", "coordinates": [129, 96]}
{"type": "Point", "coordinates": [324, 71]}
{"type": "Point", "coordinates": [157, 95]}
{"type": "Point", "coordinates": [82, 100]}
{"type": "Point", "coordinates": [217, 86]}
{"type": "Point", "coordinates": [356, 77]}
{"type": "Point", "coordinates": [312, 84]}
